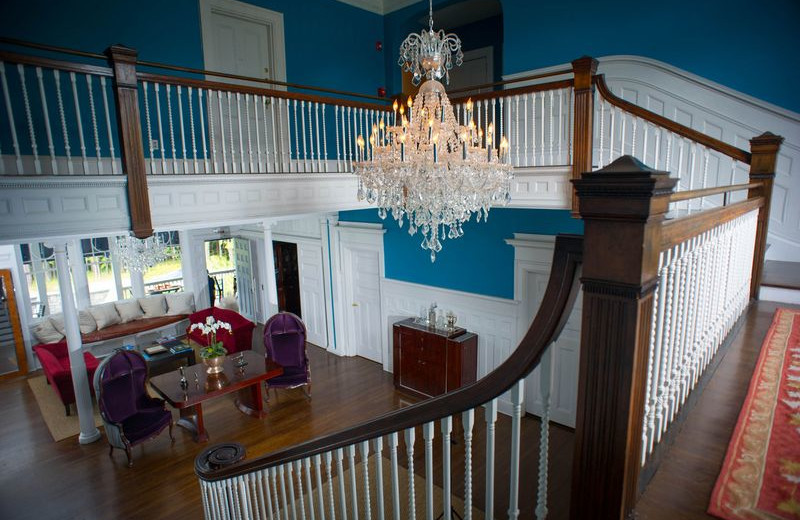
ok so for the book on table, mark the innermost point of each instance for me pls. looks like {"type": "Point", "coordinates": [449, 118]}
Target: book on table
{"type": "Point", "coordinates": [155, 349]}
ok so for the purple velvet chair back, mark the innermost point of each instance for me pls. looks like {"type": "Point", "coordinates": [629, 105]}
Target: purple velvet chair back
{"type": "Point", "coordinates": [285, 340]}
{"type": "Point", "coordinates": [122, 385]}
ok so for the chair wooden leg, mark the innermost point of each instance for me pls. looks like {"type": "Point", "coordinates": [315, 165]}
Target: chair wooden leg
{"type": "Point", "coordinates": [66, 408]}
{"type": "Point", "coordinates": [110, 449]}
{"type": "Point", "coordinates": [130, 458]}
{"type": "Point", "coordinates": [170, 432]}
{"type": "Point", "coordinates": [307, 391]}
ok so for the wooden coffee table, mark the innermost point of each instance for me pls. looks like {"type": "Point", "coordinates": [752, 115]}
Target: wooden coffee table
{"type": "Point", "coordinates": [245, 380]}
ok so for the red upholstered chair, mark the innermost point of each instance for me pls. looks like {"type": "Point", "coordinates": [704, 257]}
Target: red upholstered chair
{"type": "Point", "coordinates": [285, 344]}
{"type": "Point", "coordinates": [54, 358]}
{"type": "Point", "coordinates": [241, 337]}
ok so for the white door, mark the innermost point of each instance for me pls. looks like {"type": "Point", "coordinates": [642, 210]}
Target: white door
{"type": "Point", "coordinates": [245, 40]}
{"type": "Point", "coordinates": [564, 358]}
{"type": "Point", "coordinates": [477, 69]}
{"type": "Point", "coordinates": [245, 282]}
{"type": "Point", "coordinates": [312, 293]}
{"type": "Point", "coordinates": [362, 278]}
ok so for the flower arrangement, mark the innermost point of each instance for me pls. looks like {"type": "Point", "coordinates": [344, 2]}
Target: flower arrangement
{"type": "Point", "coordinates": [210, 328]}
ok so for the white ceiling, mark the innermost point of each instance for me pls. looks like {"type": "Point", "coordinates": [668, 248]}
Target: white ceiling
{"type": "Point", "coordinates": [381, 6]}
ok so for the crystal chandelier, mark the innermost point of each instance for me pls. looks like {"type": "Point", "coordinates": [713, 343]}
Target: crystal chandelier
{"type": "Point", "coordinates": [426, 166]}
{"type": "Point", "coordinates": [140, 255]}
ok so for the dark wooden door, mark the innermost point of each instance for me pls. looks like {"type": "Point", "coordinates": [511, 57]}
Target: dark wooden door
{"type": "Point", "coordinates": [287, 276]}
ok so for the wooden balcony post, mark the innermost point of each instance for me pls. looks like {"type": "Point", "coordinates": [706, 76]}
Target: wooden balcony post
{"type": "Point", "coordinates": [123, 61]}
{"type": "Point", "coordinates": [764, 156]}
{"type": "Point", "coordinates": [583, 70]}
{"type": "Point", "coordinates": [623, 206]}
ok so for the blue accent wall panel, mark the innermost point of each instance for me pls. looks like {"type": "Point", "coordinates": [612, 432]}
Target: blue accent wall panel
{"type": "Point", "coordinates": [479, 262]}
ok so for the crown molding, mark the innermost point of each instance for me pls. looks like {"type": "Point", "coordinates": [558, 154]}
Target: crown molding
{"type": "Point", "coordinates": [381, 7]}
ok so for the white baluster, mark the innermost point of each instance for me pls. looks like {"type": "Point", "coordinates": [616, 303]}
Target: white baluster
{"type": "Point", "coordinates": [602, 130]}
{"type": "Point", "coordinates": [393, 441]}
{"type": "Point", "coordinates": [149, 145]}
{"type": "Point", "coordinates": [657, 146]}
{"type": "Point", "coordinates": [258, 100]}
{"type": "Point", "coordinates": [542, 133]}
{"type": "Point", "coordinates": [288, 167]}
{"type": "Point", "coordinates": [32, 134]}
{"type": "Point", "coordinates": [240, 134]}
{"type": "Point", "coordinates": [316, 131]}
{"type": "Point", "coordinates": [230, 132]}
{"type": "Point", "coordinates": [171, 130]}
{"type": "Point", "coordinates": [212, 140]}
{"type": "Point", "coordinates": [657, 344]}
{"type": "Point", "coordinates": [516, 129]}
{"type": "Point", "coordinates": [634, 125]}
{"type": "Point", "coordinates": [517, 392]}
{"type": "Point", "coordinates": [156, 86]}
{"type": "Point", "coordinates": [378, 472]}
{"type": "Point", "coordinates": [264, 489]}
{"type": "Point", "coordinates": [340, 473]}
{"type": "Point", "coordinates": [338, 150]}
{"type": "Point", "coordinates": [183, 132]}
{"type": "Point", "coordinates": [447, 429]}
{"type": "Point", "coordinates": [365, 466]}
{"type": "Point", "coordinates": [611, 140]}
{"type": "Point", "coordinates": [622, 131]}
{"type": "Point", "coordinates": [561, 125]}
{"type": "Point", "coordinates": [329, 473]}
{"type": "Point", "coordinates": [249, 133]}
{"type": "Point", "coordinates": [310, 139]}
{"type": "Point", "coordinates": [320, 489]}
{"type": "Point", "coordinates": [351, 454]}
{"type": "Point", "coordinates": [412, 501]}
{"type": "Point", "coordinates": [348, 142]}
{"type": "Point", "coordinates": [467, 422]}
{"type": "Point", "coordinates": [273, 474]}
{"type": "Point", "coordinates": [525, 124]}
{"type": "Point", "coordinates": [203, 148]}
{"type": "Point", "coordinates": [324, 140]}
{"type": "Point", "coordinates": [646, 126]}
{"type": "Point", "coordinates": [276, 158]}
{"type": "Point", "coordinates": [94, 121]}
{"type": "Point", "coordinates": [296, 139]}
{"type": "Point", "coordinates": [490, 414]}
{"type": "Point", "coordinates": [284, 503]}
{"type": "Point", "coordinates": [81, 141]}
{"type": "Point", "coordinates": [307, 467]}
{"type": "Point", "coordinates": [427, 435]}
{"type": "Point", "coordinates": [552, 160]}
{"type": "Point", "coordinates": [48, 130]}
{"type": "Point", "coordinates": [303, 133]}
{"type": "Point", "coordinates": [299, 470]}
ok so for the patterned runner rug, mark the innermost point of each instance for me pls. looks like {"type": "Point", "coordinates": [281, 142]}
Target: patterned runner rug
{"type": "Point", "coordinates": [760, 477]}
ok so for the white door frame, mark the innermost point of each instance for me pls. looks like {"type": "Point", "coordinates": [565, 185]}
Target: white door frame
{"type": "Point", "coordinates": [352, 235]}
{"type": "Point", "coordinates": [272, 19]}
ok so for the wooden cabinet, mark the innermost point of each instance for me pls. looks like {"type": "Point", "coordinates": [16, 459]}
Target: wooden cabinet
{"type": "Point", "coordinates": [430, 362]}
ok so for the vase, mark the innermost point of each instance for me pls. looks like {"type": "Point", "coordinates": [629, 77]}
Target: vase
{"type": "Point", "coordinates": [214, 365]}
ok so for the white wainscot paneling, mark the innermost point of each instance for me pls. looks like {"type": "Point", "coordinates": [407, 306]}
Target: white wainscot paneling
{"type": "Point", "coordinates": [494, 320]}
{"type": "Point", "coordinates": [542, 187]}
{"type": "Point", "coordinates": [40, 208]}
{"type": "Point", "coordinates": [179, 201]}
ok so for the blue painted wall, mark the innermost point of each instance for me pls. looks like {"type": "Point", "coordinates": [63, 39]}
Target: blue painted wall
{"type": "Point", "coordinates": [322, 48]}
{"type": "Point", "coordinates": [745, 45]}
{"type": "Point", "coordinates": [478, 262]}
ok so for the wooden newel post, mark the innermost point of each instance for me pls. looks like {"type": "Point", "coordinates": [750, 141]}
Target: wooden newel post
{"type": "Point", "coordinates": [123, 61]}
{"type": "Point", "coordinates": [763, 157]}
{"type": "Point", "coordinates": [583, 70]}
{"type": "Point", "coordinates": [623, 206]}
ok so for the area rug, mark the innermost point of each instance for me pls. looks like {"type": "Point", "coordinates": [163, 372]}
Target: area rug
{"type": "Point", "coordinates": [61, 426]}
{"type": "Point", "coordinates": [457, 504]}
{"type": "Point", "coordinates": [760, 477]}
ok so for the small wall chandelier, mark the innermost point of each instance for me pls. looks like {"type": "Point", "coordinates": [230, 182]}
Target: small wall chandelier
{"type": "Point", "coordinates": [426, 166]}
{"type": "Point", "coordinates": [140, 255]}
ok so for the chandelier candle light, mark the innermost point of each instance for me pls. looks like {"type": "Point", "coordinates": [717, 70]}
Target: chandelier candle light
{"type": "Point", "coordinates": [140, 255]}
{"type": "Point", "coordinates": [425, 166]}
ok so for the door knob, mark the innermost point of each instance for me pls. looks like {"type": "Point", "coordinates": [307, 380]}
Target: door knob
{"type": "Point", "coordinates": [355, 304]}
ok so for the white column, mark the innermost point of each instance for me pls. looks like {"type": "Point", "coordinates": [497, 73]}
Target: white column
{"type": "Point", "coordinates": [137, 284]}
{"type": "Point", "coordinates": [79, 279]}
{"type": "Point", "coordinates": [83, 399]}
{"type": "Point", "coordinates": [326, 224]}
{"type": "Point", "coordinates": [116, 269]}
{"type": "Point", "coordinates": [271, 296]}
{"type": "Point", "coordinates": [193, 268]}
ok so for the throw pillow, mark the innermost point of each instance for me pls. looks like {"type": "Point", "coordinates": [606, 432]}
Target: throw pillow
{"type": "Point", "coordinates": [105, 314]}
{"type": "Point", "coordinates": [45, 332]}
{"type": "Point", "coordinates": [180, 303]}
{"type": "Point", "coordinates": [57, 321]}
{"type": "Point", "coordinates": [86, 322]}
{"type": "Point", "coordinates": [128, 310]}
{"type": "Point", "coordinates": [153, 306]}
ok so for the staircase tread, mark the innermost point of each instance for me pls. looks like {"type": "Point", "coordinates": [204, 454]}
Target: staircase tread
{"type": "Point", "coordinates": [781, 274]}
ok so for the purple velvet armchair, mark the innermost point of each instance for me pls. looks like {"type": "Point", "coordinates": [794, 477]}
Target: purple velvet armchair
{"type": "Point", "coordinates": [130, 415]}
{"type": "Point", "coordinates": [285, 343]}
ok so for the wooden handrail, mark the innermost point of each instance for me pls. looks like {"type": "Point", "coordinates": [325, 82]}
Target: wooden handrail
{"type": "Point", "coordinates": [539, 87]}
{"type": "Point", "coordinates": [705, 192]}
{"type": "Point", "coordinates": [52, 48]}
{"type": "Point", "coordinates": [561, 291]}
{"type": "Point", "coordinates": [679, 230]}
{"type": "Point", "coordinates": [204, 72]}
{"type": "Point", "coordinates": [67, 66]}
{"type": "Point", "coordinates": [244, 89]}
{"type": "Point", "coordinates": [677, 128]}
{"type": "Point", "coordinates": [515, 80]}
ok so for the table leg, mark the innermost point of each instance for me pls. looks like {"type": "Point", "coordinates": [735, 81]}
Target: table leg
{"type": "Point", "coordinates": [249, 401]}
{"type": "Point", "coordinates": [192, 419]}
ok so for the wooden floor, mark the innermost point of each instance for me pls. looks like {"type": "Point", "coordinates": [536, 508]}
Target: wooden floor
{"type": "Point", "coordinates": [43, 479]}
{"type": "Point", "coordinates": [682, 486]}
